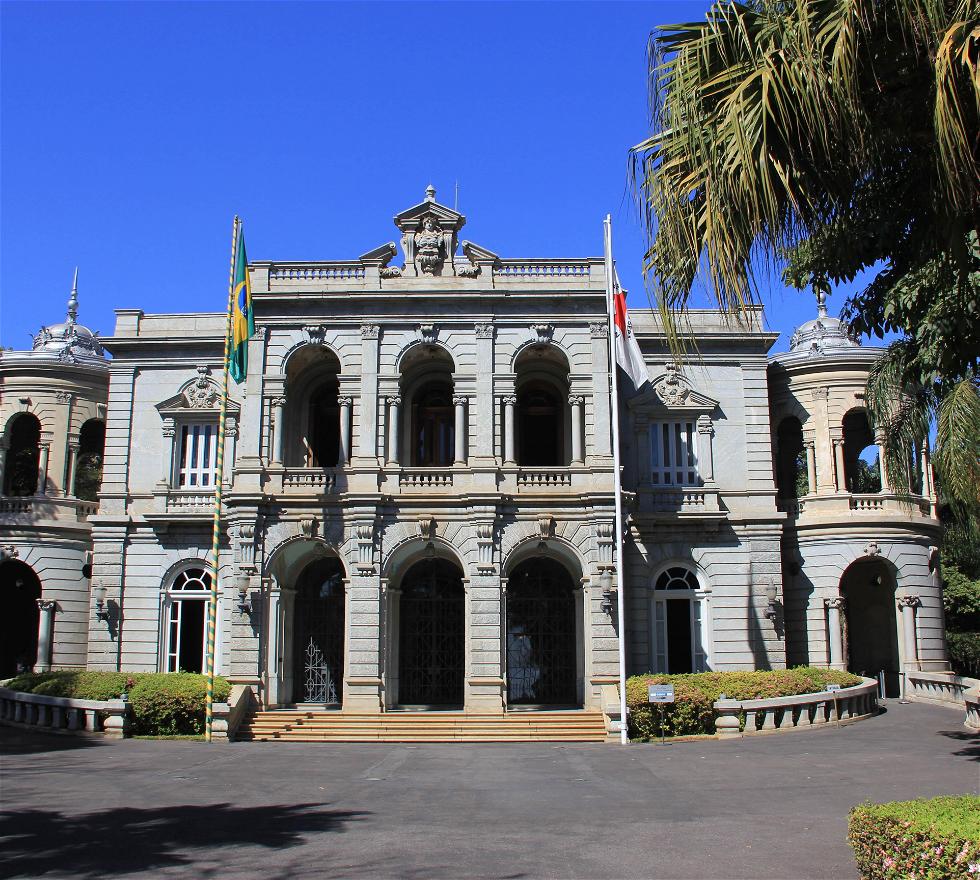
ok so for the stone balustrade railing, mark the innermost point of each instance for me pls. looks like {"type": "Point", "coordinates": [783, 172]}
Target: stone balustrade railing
{"type": "Point", "coordinates": [425, 479]}
{"type": "Point", "coordinates": [15, 505]}
{"type": "Point", "coordinates": [542, 269]}
{"type": "Point", "coordinates": [300, 479]}
{"type": "Point", "coordinates": [544, 479]}
{"type": "Point", "coordinates": [315, 271]}
{"type": "Point", "coordinates": [801, 710]}
{"type": "Point", "coordinates": [939, 687]}
{"type": "Point", "coordinates": [110, 717]}
{"type": "Point", "coordinates": [48, 507]}
{"type": "Point", "coordinates": [971, 700]}
{"type": "Point", "coordinates": [195, 502]}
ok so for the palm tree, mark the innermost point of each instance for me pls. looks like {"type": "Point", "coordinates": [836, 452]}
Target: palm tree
{"type": "Point", "coordinates": [831, 135]}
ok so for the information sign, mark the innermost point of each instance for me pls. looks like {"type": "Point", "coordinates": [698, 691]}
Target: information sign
{"type": "Point", "coordinates": [833, 687]}
{"type": "Point", "coordinates": [660, 693]}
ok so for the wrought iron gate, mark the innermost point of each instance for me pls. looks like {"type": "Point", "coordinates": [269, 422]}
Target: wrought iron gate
{"type": "Point", "coordinates": [541, 637]}
{"type": "Point", "coordinates": [431, 636]}
{"type": "Point", "coordinates": [319, 635]}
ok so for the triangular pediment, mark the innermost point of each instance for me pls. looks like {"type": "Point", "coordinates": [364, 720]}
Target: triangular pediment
{"type": "Point", "coordinates": [199, 395]}
{"type": "Point", "coordinates": [410, 218]}
{"type": "Point", "coordinates": [671, 391]}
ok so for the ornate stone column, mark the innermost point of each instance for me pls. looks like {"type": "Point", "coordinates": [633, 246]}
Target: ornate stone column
{"type": "Point", "coordinates": [706, 454]}
{"type": "Point", "coordinates": [44, 631]}
{"type": "Point", "coordinates": [459, 403]}
{"type": "Point", "coordinates": [839, 469]}
{"type": "Point", "coordinates": [811, 466]}
{"type": "Point", "coordinates": [928, 489]}
{"type": "Point", "coordinates": [167, 452]}
{"type": "Point", "coordinates": [880, 443]}
{"type": "Point", "coordinates": [394, 405]}
{"type": "Point", "coordinates": [510, 405]}
{"type": "Point", "coordinates": [908, 604]}
{"type": "Point", "coordinates": [834, 607]}
{"type": "Point", "coordinates": [42, 469]}
{"type": "Point", "coordinates": [346, 403]}
{"type": "Point", "coordinates": [278, 428]}
{"type": "Point", "coordinates": [576, 402]}
{"type": "Point", "coordinates": [70, 470]}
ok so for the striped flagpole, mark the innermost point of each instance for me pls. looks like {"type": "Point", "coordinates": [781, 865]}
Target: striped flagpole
{"type": "Point", "coordinates": [218, 481]}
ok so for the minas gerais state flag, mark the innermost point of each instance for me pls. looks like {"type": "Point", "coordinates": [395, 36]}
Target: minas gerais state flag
{"type": "Point", "coordinates": [242, 321]}
{"type": "Point", "coordinates": [628, 354]}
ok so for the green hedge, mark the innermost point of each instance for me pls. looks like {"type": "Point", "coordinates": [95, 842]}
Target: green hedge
{"type": "Point", "coordinates": [932, 839]}
{"type": "Point", "coordinates": [163, 704]}
{"type": "Point", "coordinates": [964, 652]}
{"type": "Point", "coordinates": [691, 712]}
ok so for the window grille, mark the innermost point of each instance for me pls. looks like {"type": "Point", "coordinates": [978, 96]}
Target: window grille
{"type": "Point", "coordinates": [673, 454]}
{"type": "Point", "coordinates": [198, 451]}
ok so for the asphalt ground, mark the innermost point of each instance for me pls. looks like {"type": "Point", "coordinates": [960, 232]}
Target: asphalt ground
{"type": "Point", "coordinates": [762, 807]}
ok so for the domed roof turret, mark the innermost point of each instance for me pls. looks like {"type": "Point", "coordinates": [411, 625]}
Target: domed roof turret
{"type": "Point", "coordinates": [69, 341]}
{"type": "Point", "coordinates": [822, 335]}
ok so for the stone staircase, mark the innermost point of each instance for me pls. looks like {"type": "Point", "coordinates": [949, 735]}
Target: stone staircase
{"type": "Point", "coordinates": [300, 725]}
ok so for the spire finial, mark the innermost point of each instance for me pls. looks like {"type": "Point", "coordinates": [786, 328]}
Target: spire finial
{"type": "Point", "coordinates": [73, 300]}
{"type": "Point", "coordinates": [821, 302]}
{"type": "Point", "coordinates": [430, 193]}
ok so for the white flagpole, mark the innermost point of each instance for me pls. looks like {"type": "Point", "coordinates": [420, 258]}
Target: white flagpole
{"type": "Point", "coordinates": [617, 480]}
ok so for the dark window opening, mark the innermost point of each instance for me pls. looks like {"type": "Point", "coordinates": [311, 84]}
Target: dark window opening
{"type": "Point", "coordinates": [323, 434]}
{"type": "Point", "coordinates": [23, 456]}
{"type": "Point", "coordinates": [434, 427]}
{"type": "Point", "coordinates": [539, 428]}
{"type": "Point", "coordinates": [88, 467]}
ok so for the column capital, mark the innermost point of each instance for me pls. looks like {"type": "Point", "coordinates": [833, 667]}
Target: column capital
{"type": "Point", "coordinates": [576, 399]}
{"type": "Point", "coordinates": [705, 426]}
{"type": "Point", "coordinates": [838, 602]}
{"type": "Point", "coordinates": [345, 401]}
{"type": "Point", "coordinates": [909, 601]}
{"type": "Point", "coordinates": [278, 401]}
{"type": "Point", "coordinates": [394, 400]}
{"type": "Point", "coordinates": [598, 329]}
{"type": "Point", "coordinates": [510, 400]}
{"type": "Point", "coordinates": [459, 400]}
{"type": "Point", "coordinates": [46, 604]}
{"type": "Point", "coordinates": [369, 331]}
{"type": "Point", "coordinates": [484, 331]}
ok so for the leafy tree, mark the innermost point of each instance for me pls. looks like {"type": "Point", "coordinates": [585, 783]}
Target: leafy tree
{"type": "Point", "coordinates": [831, 136]}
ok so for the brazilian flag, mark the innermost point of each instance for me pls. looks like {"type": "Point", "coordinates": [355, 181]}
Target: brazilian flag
{"type": "Point", "coordinates": [242, 320]}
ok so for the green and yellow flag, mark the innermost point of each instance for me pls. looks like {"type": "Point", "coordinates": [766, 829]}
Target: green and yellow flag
{"type": "Point", "coordinates": [242, 320]}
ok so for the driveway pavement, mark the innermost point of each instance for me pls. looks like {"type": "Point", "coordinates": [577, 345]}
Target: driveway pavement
{"type": "Point", "coordinates": [763, 807]}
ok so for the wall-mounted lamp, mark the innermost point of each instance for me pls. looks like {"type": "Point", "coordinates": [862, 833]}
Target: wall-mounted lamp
{"type": "Point", "coordinates": [772, 610]}
{"type": "Point", "coordinates": [244, 601]}
{"type": "Point", "coordinates": [101, 608]}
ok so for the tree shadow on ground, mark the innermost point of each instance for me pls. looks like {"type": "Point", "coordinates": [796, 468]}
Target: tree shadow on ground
{"type": "Point", "coordinates": [128, 840]}
{"type": "Point", "coordinates": [972, 740]}
{"type": "Point", "coordinates": [29, 741]}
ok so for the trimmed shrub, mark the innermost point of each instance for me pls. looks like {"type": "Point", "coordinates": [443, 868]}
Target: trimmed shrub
{"type": "Point", "coordinates": [162, 703]}
{"type": "Point", "coordinates": [964, 652]}
{"type": "Point", "coordinates": [170, 704]}
{"type": "Point", "coordinates": [934, 839]}
{"type": "Point", "coordinates": [691, 712]}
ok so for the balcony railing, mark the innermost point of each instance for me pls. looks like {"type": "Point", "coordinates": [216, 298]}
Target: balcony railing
{"type": "Point", "coordinates": [309, 480]}
{"type": "Point", "coordinates": [553, 478]}
{"type": "Point", "coordinates": [190, 502]}
{"type": "Point", "coordinates": [543, 269]}
{"type": "Point", "coordinates": [48, 507]}
{"type": "Point", "coordinates": [844, 504]}
{"type": "Point", "coordinates": [425, 479]}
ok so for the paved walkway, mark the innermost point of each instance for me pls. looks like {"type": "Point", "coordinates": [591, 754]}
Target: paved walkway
{"type": "Point", "coordinates": [770, 807]}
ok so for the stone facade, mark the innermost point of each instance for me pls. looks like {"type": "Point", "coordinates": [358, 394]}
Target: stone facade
{"type": "Point", "coordinates": [422, 473]}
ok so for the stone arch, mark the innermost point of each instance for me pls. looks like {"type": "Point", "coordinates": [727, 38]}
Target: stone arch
{"type": "Point", "coordinates": [869, 585]}
{"type": "Point", "coordinates": [551, 348]}
{"type": "Point", "coordinates": [20, 588]}
{"type": "Point", "coordinates": [414, 548]}
{"type": "Point", "coordinates": [414, 348]}
{"type": "Point", "coordinates": [23, 435]}
{"type": "Point", "coordinates": [295, 552]}
{"type": "Point", "coordinates": [679, 614]}
{"type": "Point", "coordinates": [555, 547]}
{"type": "Point", "coordinates": [305, 343]}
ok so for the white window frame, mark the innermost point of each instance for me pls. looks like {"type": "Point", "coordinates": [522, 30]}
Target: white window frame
{"type": "Point", "coordinates": [197, 443]}
{"type": "Point", "coordinates": [172, 614]}
{"type": "Point", "coordinates": [700, 621]}
{"type": "Point", "coordinates": [674, 464]}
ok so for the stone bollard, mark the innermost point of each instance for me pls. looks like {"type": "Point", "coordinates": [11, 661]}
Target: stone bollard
{"type": "Point", "coordinates": [116, 723]}
{"type": "Point", "coordinates": [219, 722]}
{"type": "Point", "coordinates": [726, 718]}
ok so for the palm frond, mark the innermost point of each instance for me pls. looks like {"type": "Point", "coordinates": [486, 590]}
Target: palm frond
{"type": "Point", "coordinates": [957, 455]}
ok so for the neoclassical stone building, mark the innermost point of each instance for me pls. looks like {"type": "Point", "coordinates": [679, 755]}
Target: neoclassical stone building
{"type": "Point", "coordinates": [420, 508]}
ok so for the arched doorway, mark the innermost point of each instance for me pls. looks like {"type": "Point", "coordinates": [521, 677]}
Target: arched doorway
{"type": "Point", "coordinates": [431, 635]}
{"type": "Point", "coordinates": [318, 640]}
{"type": "Point", "coordinates": [541, 635]}
{"type": "Point", "coordinates": [23, 455]}
{"type": "Point", "coordinates": [188, 598]}
{"type": "Point", "coordinates": [20, 589]}
{"type": "Point", "coordinates": [871, 632]}
{"type": "Point", "coordinates": [678, 620]}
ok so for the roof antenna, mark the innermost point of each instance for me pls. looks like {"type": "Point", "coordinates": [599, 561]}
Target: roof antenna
{"type": "Point", "coordinates": [456, 198]}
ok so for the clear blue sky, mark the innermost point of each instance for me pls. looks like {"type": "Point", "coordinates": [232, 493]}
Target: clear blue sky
{"type": "Point", "coordinates": [133, 132]}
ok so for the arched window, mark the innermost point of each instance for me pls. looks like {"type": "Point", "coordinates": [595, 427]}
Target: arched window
{"type": "Point", "coordinates": [433, 433]}
{"type": "Point", "coordinates": [679, 622]}
{"type": "Point", "coordinates": [862, 472]}
{"type": "Point", "coordinates": [310, 437]}
{"type": "Point", "coordinates": [23, 456]}
{"type": "Point", "coordinates": [792, 479]}
{"type": "Point", "coordinates": [187, 613]}
{"type": "Point", "coordinates": [88, 467]}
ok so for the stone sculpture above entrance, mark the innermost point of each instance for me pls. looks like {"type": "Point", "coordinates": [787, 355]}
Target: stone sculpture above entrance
{"type": "Point", "coordinates": [430, 235]}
